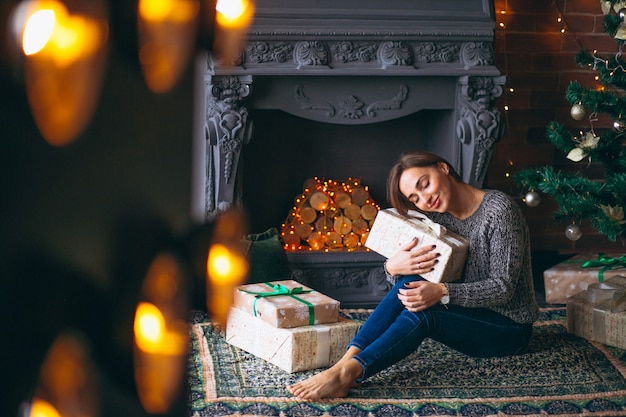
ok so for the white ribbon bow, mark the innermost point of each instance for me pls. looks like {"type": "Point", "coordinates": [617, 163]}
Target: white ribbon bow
{"type": "Point", "coordinates": [436, 228]}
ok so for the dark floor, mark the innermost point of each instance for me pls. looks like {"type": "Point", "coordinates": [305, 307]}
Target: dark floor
{"type": "Point", "coordinates": [543, 260]}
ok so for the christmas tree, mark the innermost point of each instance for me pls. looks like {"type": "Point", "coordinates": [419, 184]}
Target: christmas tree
{"type": "Point", "coordinates": [579, 198]}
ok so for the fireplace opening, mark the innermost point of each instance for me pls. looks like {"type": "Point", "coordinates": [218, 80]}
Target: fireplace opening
{"type": "Point", "coordinates": [287, 150]}
{"type": "Point", "coordinates": [340, 93]}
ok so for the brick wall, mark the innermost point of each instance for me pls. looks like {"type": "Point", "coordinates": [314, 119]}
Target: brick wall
{"type": "Point", "coordinates": [536, 52]}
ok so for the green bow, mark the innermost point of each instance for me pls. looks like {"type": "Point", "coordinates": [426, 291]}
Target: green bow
{"type": "Point", "coordinates": [605, 263]}
{"type": "Point", "coordinates": [281, 290]}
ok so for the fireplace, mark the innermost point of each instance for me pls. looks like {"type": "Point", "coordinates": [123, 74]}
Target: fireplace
{"type": "Point", "coordinates": [340, 92]}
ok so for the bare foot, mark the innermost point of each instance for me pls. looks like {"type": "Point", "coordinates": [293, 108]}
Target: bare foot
{"type": "Point", "coordinates": [334, 382]}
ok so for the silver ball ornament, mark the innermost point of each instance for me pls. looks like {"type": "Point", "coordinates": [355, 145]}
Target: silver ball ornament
{"type": "Point", "coordinates": [532, 199]}
{"type": "Point", "coordinates": [578, 111]}
{"type": "Point", "coordinates": [619, 124]}
{"type": "Point", "coordinates": [573, 232]}
{"type": "Point", "coordinates": [622, 14]}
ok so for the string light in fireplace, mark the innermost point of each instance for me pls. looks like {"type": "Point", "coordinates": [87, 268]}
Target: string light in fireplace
{"type": "Point", "coordinates": [329, 215]}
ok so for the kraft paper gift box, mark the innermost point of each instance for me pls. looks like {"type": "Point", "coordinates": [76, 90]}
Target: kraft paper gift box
{"type": "Point", "coordinates": [295, 349]}
{"type": "Point", "coordinates": [286, 304]}
{"type": "Point", "coordinates": [599, 313]}
{"type": "Point", "coordinates": [575, 274]}
{"type": "Point", "coordinates": [391, 231]}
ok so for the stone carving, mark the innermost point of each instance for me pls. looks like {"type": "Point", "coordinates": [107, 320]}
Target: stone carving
{"type": "Point", "coordinates": [227, 130]}
{"type": "Point", "coordinates": [436, 52]}
{"type": "Point", "coordinates": [351, 108]}
{"type": "Point", "coordinates": [262, 52]}
{"type": "Point", "coordinates": [394, 53]}
{"type": "Point", "coordinates": [310, 53]}
{"type": "Point", "coordinates": [354, 51]}
{"type": "Point", "coordinates": [307, 104]}
{"type": "Point", "coordinates": [345, 277]}
{"type": "Point", "coordinates": [477, 53]}
{"type": "Point", "coordinates": [479, 126]}
{"type": "Point", "coordinates": [388, 53]}
{"type": "Point", "coordinates": [366, 284]}
{"type": "Point", "coordinates": [394, 104]}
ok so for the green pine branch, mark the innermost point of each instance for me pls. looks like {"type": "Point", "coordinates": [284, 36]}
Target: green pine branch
{"type": "Point", "coordinates": [578, 198]}
{"type": "Point", "coordinates": [601, 202]}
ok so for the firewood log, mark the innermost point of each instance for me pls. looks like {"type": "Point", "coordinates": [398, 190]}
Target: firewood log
{"type": "Point", "coordinates": [353, 211]}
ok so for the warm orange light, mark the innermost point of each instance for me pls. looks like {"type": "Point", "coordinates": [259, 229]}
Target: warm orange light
{"type": "Point", "coordinates": [42, 408]}
{"type": "Point", "coordinates": [38, 31]}
{"type": "Point", "coordinates": [161, 335]}
{"type": "Point", "coordinates": [49, 29]}
{"type": "Point", "coordinates": [225, 270]}
{"type": "Point", "coordinates": [181, 11]}
{"type": "Point", "coordinates": [65, 52]}
{"type": "Point", "coordinates": [67, 383]}
{"type": "Point", "coordinates": [234, 13]}
{"type": "Point", "coordinates": [149, 327]}
{"type": "Point", "coordinates": [226, 264]}
{"type": "Point", "coordinates": [167, 36]}
{"type": "Point", "coordinates": [152, 334]}
{"type": "Point", "coordinates": [233, 17]}
{"type": "Point", "coordinates": [225, 267]}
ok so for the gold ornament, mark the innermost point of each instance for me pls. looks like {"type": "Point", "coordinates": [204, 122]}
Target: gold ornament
{"type": "Point", "coordinates": [578, 111]}
{"type": "Point", "coordinates": [532, 199]}
{"type": "Point", "coordinates": [573, 232]}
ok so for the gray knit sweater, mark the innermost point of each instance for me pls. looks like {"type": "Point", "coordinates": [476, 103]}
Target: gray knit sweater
{"type": "Point", "coordinates": [498, 273]}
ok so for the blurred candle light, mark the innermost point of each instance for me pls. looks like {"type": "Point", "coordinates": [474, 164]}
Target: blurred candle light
{"type": "Point", "coordinates": [67, 384]}
{"type": "Point", "coordinates": [227, 265]}
{"type": "Point", "coordinates": [234, 13]}
{"type": "Point", "coordinates": [233, 17]}
{"type": "Point", "coordinates": [161, 335]}
{"type": "Point", "coordinates": [42, 408]}
{"type": "Point", "coordinates": [65, 46]}
{"type": "Point", "coordinates": [167, 38]}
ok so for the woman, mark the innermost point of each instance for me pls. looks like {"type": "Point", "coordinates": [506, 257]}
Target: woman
{"type": "Point", "coordinates": [488, 312]}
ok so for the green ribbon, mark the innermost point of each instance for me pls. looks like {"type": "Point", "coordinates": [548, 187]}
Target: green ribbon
{"type": "Point", "coordinates": [605, 263]}
{"type": "Point", "coordinates": [281, 290]}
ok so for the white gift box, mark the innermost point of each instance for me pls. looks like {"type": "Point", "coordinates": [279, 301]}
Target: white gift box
{"type": "Point", "coordinates": [293, 349]}
{"type": "Point", "coordinates": [391, 231]}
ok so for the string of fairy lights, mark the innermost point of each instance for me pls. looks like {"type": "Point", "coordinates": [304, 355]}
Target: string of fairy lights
{"type": "Point", "coordinates": [330, 215]}
{"type": "Point", "coordinates": [587, 102]}
{"type": "Point", "coordinates": [502, 10]}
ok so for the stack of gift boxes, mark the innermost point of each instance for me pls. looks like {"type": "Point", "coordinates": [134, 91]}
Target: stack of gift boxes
{"type": "Point", "coordinates": [297, 329]}
{"type": "Point", "coordinates": [288, 324]}
{"type": "Point", "coordinates": [593, 287]}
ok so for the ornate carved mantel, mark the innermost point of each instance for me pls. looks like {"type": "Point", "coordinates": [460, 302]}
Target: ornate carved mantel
{"type": "Point", "coordinates": [393, 62]}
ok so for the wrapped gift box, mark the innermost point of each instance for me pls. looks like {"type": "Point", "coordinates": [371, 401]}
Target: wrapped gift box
{"type": "Point", "coordinates": [391, 231]}
{"type": "Point", "coordinates": [599, 313]}
{"type": "Point", "coordinates": [568, 278]}
{"type": "Point", "coordinates": [295, 349]}
{"type": "Point", "coordinates": [286, 304]}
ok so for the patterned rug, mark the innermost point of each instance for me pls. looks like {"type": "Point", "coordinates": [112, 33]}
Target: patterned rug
{"type": "Point", "coordinates": [560, 375]}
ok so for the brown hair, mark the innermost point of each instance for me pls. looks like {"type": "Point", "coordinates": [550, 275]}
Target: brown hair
{"type": "Point", "coordinates": [411, 160]}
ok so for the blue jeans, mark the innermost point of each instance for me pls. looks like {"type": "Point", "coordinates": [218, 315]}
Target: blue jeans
{"type": "Point", "coordinates": [392, 332]}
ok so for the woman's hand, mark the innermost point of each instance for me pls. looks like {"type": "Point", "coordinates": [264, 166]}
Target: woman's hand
{"type": "Point", "coordinates": [411, 261]}
{"type": "Point", "coordinates": [419, 295]}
